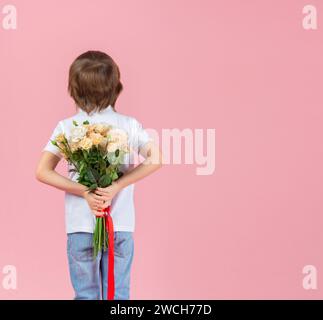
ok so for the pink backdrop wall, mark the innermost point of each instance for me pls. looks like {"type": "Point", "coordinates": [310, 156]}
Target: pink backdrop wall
{"type": "Point", "coordinates": [245, 68]}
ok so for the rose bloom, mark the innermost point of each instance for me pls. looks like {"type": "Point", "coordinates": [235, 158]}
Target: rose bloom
{"type": "Point", "coordinates": [118, 139]}
{"type": "Point", "coordinates": [104, 142]}
{"type": "Point", "coordinates": [74, 146]}
{"type": "Point", "coordinates": [101, 128]}
{"type": "Point", "coordinates": [96, 138]}
{"type": "Point", "coordinates": [112, 146]}
{"type": "Point", "coordinates": [78, 133]}
{"type": "Point", "coordinates": [89, 128]}
{"type": "Point", "coordinates": [85, 143]}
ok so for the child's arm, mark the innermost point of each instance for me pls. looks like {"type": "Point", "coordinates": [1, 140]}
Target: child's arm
{"type": "Point", "coordinates": [152, 162]}
{"type": "Point", "coordinates": [46, 173]}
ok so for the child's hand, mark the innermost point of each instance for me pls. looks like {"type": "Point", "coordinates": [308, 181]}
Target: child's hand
{"type": "Point", "coordinates": [108, 193]}
{"type": "Point", "coordinates": [95, 203]}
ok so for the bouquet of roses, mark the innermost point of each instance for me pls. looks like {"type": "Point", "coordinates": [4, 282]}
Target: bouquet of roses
{"type": "Point", "coordinates": [96, 153]}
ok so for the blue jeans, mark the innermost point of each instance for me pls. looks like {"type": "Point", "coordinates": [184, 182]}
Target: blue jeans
{"type": "Point", "coordinates": [89, 276]}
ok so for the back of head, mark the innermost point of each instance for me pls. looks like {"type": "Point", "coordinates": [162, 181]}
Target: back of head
{"type": "Point", "coordinates": [94, 81]}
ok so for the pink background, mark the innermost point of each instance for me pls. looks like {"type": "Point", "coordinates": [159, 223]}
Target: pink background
{"type": "Point", "coordinates": [247, 69]}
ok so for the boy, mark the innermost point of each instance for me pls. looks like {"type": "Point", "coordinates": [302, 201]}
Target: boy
{"type": "Point", "coordinates": [94, 84]}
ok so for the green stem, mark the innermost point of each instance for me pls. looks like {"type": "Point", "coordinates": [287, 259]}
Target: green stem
{"type": "Point", "coordinates": [104, 236]}
{"type": "Point", "coordinates": [70, 158]}
{"type": "Point", "coordinates": [100, 232]}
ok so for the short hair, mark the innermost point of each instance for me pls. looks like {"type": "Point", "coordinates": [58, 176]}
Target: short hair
{"type": "Point", "coordinates": [94, 81]}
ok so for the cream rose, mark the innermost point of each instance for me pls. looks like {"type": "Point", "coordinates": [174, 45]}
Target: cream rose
{"type": "Point", "coordinates": [118, 139]}
{"type": "Point", "coordinates": [96, 138]}
{"type": "Point", "coordinates": [112, 146]}
{"type": "Point", "coordinates": [78, 133]}
{"type": "Point", "coordinates": [101, 128]}
{"type": "Point", "coordinates": [74, 146]}
{"type": "Point", "coordinates": [118, 135]}
{"type": "Point", "coordinates": [85, 143]}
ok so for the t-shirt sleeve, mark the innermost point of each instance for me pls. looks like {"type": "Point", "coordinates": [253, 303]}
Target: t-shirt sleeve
{"type": "Point", "coordinates": [140, 135]}
{"type": "Point", "coordinates": [49, 146]}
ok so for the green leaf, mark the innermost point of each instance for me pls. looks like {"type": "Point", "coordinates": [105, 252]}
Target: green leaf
{"type": "Point", "coordinates": [105, 181]}
{"type": "Point", "coordinates": [95, 174]}
{"type": "Point", "coordinates": [90, 175]}
{"type": "Point", "coordinates": [114, 175]}
{"type": "Point", "coordinates": [53, 142]}
{"type": "Point", "coordinates": [112, 158]}
{"type": "Point", "coordinates": [82, 166]}
{"type": "Point", "coordinates": [93, 186]}
{"type": "Point", "coordinates": [85, 154]}
{"type": "Point", "coordinates": [102, 165]}
{"type": "Point", "coordinates": [86, 122]}
{"type": "Point", "coordinates": [75, 123]}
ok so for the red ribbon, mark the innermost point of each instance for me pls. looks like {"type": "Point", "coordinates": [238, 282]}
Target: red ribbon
{"type": "Point", "coordinates": [109, 229]}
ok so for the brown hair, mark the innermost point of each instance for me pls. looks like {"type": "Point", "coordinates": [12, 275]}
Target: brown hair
{"type": "Point", "coordinates": [94, 81]}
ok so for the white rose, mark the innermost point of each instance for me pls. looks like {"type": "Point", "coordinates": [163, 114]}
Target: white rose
{"type": "Point", "coordinates": [112, 146]}
{"type": "Point", "coordinates": [77, 133]}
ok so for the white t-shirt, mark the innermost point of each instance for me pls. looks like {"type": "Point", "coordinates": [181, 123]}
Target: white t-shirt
{"type": "Point", "coordinates": [78, 215]}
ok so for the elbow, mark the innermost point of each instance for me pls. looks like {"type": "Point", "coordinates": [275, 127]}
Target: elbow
{"type": "Point", "coordinates": [39, 175]}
